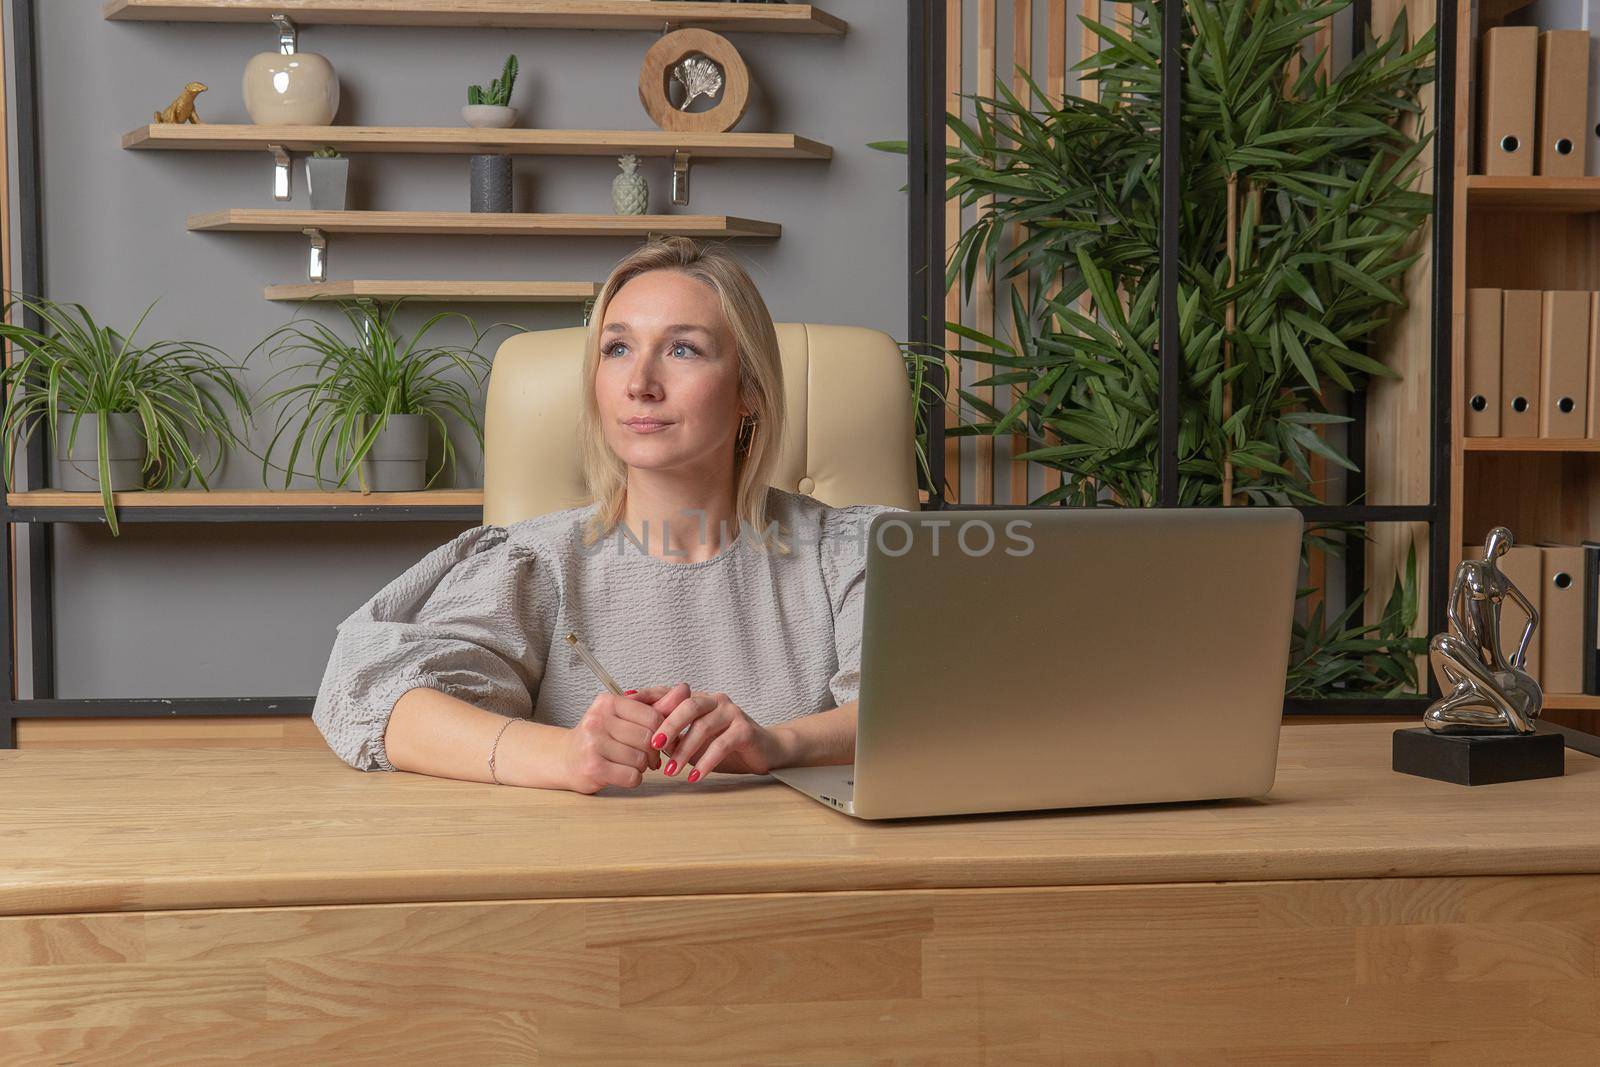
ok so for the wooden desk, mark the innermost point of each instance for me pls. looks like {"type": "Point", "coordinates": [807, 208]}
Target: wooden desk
{"type": "Point", "coordinates": [163, 906]}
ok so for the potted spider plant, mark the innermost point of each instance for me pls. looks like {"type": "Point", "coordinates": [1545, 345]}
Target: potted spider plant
{"type": "Point", "coordinates": [372, 398]}
{"type": "Point", "coordinates": [121, 413]}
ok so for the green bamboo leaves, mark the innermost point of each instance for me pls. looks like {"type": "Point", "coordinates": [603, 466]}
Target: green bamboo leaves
{"type": "Point", "coordinates": [1323, 224]}
{"type": "Point", "coordinates": [1301, 211]}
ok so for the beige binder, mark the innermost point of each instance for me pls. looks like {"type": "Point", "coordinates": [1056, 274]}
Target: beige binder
{"type": "Point", "coordinates": [1564, 364]}
{"type": "Point", "coordinates": [1561, 619]}
{"type": "Point", "coordinates": [1506, 76]}
{"type": "Point", "coordinates": [1563, 111]}
{"type": "Point", "coordinates": [1483, 363]}
{"type": "Point", "coordinates": [1594, 365]}
{"type": "Point", "coordinates": [1520, 316]}
{"type": "Point", "coordinates": [1524, 566]}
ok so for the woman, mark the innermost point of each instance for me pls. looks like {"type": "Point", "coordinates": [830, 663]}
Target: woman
{"type": "Point", "coordinates": [739, 601]}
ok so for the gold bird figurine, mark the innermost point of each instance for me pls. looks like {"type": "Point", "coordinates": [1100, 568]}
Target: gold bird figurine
{"type": "Point", "coordinates": [182, 107]}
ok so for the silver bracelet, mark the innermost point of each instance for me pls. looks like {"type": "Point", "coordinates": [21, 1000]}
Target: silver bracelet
{"type": "Point", "coordinates": [496, 745]}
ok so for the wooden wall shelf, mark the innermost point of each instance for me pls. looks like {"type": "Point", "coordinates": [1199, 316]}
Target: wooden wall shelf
{"type": "Point", "coordinates": [452, 291]}
{"type": "Point", "coordinates": [1572, 702]}
{"type": "Point", "coordinates": [464, 140]}
{"type": "Point", "coordinates": [502, 14]}
{"type": "Point", "coordinates": [240, 498]}
{"type": "Point", "coordinates": [468, 223]}
{"type": "Point", "coordinates": [1566, 195]}
{"type": "Point", "coordinates": [248, 505]}
{"type": "Point", "coordinates": [1530, 444]}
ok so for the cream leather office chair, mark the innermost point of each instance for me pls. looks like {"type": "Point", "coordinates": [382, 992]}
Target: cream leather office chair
{"type": "Point", "coordinates": [849, 438]}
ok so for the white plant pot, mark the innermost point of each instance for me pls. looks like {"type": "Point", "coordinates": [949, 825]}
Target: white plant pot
{"type": "Point", "coordinates": [489, 116]}
{"type": "Point", "coordinates": [326, 183]}
{"type": "Point", "coordinates": [78, 467]}
{"type": "Point", "coordinates": [300, 89]}
{"type": "Point", "coordinates": [398, 456]}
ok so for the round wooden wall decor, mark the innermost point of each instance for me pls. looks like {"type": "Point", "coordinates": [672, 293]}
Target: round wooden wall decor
{"type": "Point", "coordinates": [657, 70]}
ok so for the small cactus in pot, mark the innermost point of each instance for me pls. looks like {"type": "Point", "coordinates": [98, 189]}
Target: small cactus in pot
{"type": "Point", "coordinates": [491, 108]}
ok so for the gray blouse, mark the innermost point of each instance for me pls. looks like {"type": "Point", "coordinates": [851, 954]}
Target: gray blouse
{"type": "Point", "coordinates": [484, 616]}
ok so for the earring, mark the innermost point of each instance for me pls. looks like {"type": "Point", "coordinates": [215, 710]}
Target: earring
{"type": "Point", "coordinates": [746, 434]}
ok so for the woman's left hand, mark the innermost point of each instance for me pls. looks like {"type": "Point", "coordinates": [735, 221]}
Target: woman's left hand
{"type": "Point", "coordinates": [721, 736]}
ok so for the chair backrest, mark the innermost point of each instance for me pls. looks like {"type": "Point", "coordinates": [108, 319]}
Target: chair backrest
{"type": "Point", "coordinates": [849, 439]}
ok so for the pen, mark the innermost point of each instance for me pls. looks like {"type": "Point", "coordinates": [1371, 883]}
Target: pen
{"type": "Point", "coordinates": [599, 671]}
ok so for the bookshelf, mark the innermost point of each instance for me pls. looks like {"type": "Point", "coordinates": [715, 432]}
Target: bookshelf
{"type": "Point", "coordinates": [1518, 233]}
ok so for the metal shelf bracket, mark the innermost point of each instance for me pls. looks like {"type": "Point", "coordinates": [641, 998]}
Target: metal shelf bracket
{"type": "Point", "coordinates": [680, 176]}
{"type": "Point", "coordinates": [288, 35]}
{"type": "Point", "coordinates": [280, 171]}
{"type": "Point", "coordinates": [317, 267]}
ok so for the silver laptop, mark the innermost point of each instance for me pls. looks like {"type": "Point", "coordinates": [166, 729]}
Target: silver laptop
{"type": "Point", "coordinates": [1021, 659]}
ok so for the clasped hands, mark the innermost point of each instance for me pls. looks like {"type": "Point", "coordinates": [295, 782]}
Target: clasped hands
{"type": "Point", "coordinates": [668, 727]}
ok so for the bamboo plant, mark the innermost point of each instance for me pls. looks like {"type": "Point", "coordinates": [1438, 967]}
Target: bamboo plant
{"type": "Point", "coordinates": [1300, 217]}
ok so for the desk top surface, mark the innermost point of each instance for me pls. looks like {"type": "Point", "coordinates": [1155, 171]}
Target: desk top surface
{"type": "Point", "coordinates": [164, 828]}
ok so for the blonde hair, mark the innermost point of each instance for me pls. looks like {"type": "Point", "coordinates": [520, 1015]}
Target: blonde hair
{"type": "Point", "coordinates": [605, 475]}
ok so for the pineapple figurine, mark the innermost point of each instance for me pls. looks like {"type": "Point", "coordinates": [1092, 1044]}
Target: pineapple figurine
{"type": "Point", "coordinates": [630, 193]}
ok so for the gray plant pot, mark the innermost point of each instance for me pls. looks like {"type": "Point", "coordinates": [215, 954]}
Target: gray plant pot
{"type": "Point", "coordinates": [327, 181]}
{"type": "Point", "coordinates": [491, 183]}
{"type": "Point", "coordinates": [78, 471]}
{"type": "Point", "coordinates": [399, 454]}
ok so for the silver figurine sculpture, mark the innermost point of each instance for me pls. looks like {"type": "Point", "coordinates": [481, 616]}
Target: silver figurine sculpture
{"type": "Point", "coordinates": [1485, 693]}
{"type": "Point", "coordinates": [700, 76]}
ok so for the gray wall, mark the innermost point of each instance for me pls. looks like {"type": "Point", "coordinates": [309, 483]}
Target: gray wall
{"type": "Point", "coordinates": [208, 610]}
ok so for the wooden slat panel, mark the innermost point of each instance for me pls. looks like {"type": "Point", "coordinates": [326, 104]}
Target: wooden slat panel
{"type": "Point", "coordinates": [1015, 486]}
{"type": "Point", "coordinates": [1090, 44]}
{"type": "Point", "coordinates": [1055, 84]}
{"type": "Point", "coordinates": [983, 293]}
{"type": "Point", "coordinates": [953, 25]}
{"type": "Point", "coordinates": [1399, 422]}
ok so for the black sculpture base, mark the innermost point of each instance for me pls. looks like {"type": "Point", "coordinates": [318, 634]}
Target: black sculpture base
{"type": "Point", "coordinates": [1479, 759]}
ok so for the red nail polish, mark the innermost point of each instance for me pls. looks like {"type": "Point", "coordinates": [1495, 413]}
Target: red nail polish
{"type": "Point", "coordinates": [694, 775]}
{"type": "Point", "coordinates": [658, 740]}
{"type": "Point", "coordinates": [672, 766]}
{"type": "Point", "coordinates": [630, 692]}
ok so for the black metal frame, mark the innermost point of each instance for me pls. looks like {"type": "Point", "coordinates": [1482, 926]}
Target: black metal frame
{"type": "Point", "coordinates": [36, 521]}
{"type": "Point", "coordinates": [925, 166]}
{"type": "Point", "coordinates": [925, 160]}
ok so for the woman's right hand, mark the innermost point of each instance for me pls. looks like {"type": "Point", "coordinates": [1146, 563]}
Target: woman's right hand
{"type": "Point", "coordinates": [611, 744]}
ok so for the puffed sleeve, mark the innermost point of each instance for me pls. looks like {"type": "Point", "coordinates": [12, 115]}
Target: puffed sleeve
{"type": "Point", "coordinates": [469, 619]}
{"type": "Point", "coordinates": [844, 573]}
